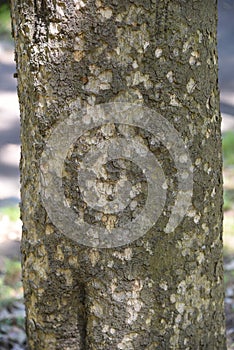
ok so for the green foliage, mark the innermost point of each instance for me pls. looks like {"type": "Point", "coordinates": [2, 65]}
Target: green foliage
{"type": "Point", "coordinates": [10, 282]}
{"type": "Point", "coordinates": [228, 199]}
{"type": "Point", "coordinates": [228, 236]}
{"type": "Point", "coordinates": [12, 273]}
{"type": "Point", "coordinates": [228, 148]}
{"type": "Point", "coordinates": [5, 20]}
{"type": "Point", "coordinates": [12, 212]}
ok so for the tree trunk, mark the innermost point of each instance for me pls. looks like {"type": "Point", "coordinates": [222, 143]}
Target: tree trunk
{"type": "Point", "coordinates": [159, 290]}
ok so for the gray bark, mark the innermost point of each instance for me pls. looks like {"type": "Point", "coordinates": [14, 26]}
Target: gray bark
{"type": "Point", "coordinates": [164, 290]}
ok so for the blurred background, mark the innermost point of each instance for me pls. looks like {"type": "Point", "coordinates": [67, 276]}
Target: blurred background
{"type": "Point", "coordinates": [12, 335]}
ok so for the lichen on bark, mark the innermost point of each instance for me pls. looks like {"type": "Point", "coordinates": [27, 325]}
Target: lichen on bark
{"type": "Point", "coordinates": [163, 291]}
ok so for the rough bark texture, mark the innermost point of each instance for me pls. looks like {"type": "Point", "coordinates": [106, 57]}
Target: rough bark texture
{"type": "Point", "coordinates": [163, 291]}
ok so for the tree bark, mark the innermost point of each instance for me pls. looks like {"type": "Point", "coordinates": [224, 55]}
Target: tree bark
{"type": "Point", "coordinates": [164, 290]}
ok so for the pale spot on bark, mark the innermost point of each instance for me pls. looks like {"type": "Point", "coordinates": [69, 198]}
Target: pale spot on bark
{"type": "Point", "coordinates": [163, 285]}
{"type": "Point", "coordinates": [191, 85]}
{"type": "Point", "coordinates": [137, 77]}
{"type": "Point", "coordinates": [110, 224]}
{"type": "Point", "coordinates": [186, 46]}
{"type": "Point", "coordinates": [96, 309]}
{"type": "Point", "coordinates": [194, 58]}
{"type": "Point", "coordinates": [200, 258]}
{"type": "Point", "coordinates": [125, 255]}
{"type": "Point", "coordinates": [49, 230]}
{"type": "Point", "coordinates": [183, 158]}
{"type": "Point", "coordinates": [173, 298]}
{"type": "Point", "coordinates": [200, 36]}
{"type": "Point", "coordinates": [197, 218]}
{"type": "Point", "coordinates": [170, 77]}
{"type": "Point", "coordinates": [205, 228]}
{"type": "Point", "coordinates": [176, 52]}
{"type": "Point", "coordinates": [54, 28]}
{"type": "Point", "coordinates": [73, 260]}
{"type": "Point", "coordinates": [99, 82]}
{"type": "Point", "coordinates": [79, 4]}
{"type": "Point", "coordinates": [106, 12]}
{"type": "Point", "coordinates": [98, 3]}
{"type": "Point", "coordinates": [158, 52]}
{"type": "Point", "coordinates": [78, 55]}
{"type": "Point", "coordinates": [68, 276]}
{"type": "Point", "coordinates": [126, 342]}
{"type": "Point", "coordinates": [174, 102]}
{"type": "Point", "coordinates": [105, 328]}
{"type": "Point", "coordinates": [134, 304]}
{"type": "Point", "coordinates": [59, 253]}
{"type": "Point", "coordinates": [60, 11]}
{"type": "Point", "coordinates": [94, 257]}
{"type": "Point", "coordinates": [192, 61]}
{"type": "Point", "coordinates": [213, 192]}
